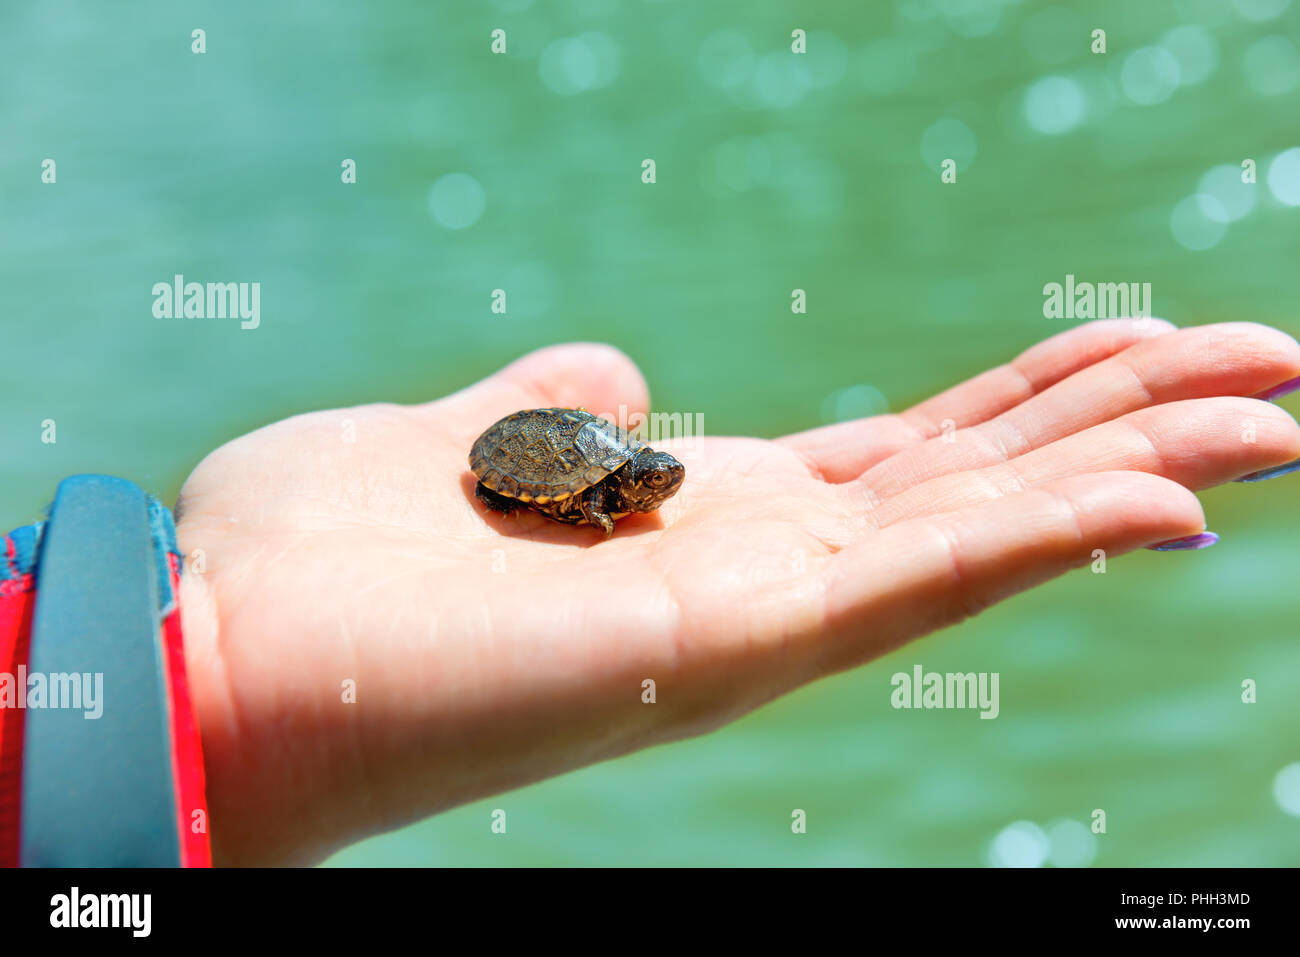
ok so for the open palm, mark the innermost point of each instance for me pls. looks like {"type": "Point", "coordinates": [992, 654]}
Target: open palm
{"type": "Point", "coordinates": [368, 644]}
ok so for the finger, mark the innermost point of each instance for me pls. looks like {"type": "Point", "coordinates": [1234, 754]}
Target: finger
{"type": "Point", "coordinates": [917, 576]}
{"type": "Point", "coordinates": [590, 375]}
{"type": "Point", "coordinates": [844, 451]}
{"type": "Point", "coordinates": [1220, 360]}
{"type": "Point", "coordinates": [1199, 443]}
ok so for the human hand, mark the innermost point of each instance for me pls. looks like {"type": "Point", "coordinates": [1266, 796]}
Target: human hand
{"type": "Point", "coordinates": [490, 651]}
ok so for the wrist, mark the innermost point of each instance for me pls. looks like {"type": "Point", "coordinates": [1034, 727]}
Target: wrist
{"type": "Point", "coordinates": [255, 782]}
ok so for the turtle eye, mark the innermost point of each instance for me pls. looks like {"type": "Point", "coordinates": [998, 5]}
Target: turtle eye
{"type": "Point", "coordinates": [656, 480]}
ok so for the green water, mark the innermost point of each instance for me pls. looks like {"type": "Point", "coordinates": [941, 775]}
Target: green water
{"type": "Point", "coordinates": [774, 171]}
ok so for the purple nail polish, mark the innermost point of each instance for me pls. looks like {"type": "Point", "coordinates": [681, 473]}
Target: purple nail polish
{"type": "Point", "coordinates": [1190, 543]}
{"type": "Point", "coordinates": [1274, 472]}
{"type": "Point", "coordinates": [1285, 388]}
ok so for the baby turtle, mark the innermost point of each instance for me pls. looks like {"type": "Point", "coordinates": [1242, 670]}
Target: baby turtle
{"type": "Point", "coordinates": [571, 466]}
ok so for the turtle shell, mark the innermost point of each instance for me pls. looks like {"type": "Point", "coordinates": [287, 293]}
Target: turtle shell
{"type": "Point", "coordinates": [547, 455]}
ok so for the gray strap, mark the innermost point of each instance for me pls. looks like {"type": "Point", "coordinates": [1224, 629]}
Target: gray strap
{"type": "Point", "coordinates": [98, 792]}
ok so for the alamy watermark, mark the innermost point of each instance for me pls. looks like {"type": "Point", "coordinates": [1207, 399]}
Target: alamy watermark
{"type": "Point", "coordinates": [1089, 300]}
{"type": "Point", "coordinates": [128, 911]}
{"type": "Point", "coordinates": [179, 299]}
{"type": "Point", "coordinates": [75, 691]}
{"type": "Point", "coordinates": [655, 427]}
{"type": "Point", "coordinates": [922, 689]}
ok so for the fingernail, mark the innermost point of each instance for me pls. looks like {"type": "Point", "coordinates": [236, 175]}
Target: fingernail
{"type": "Point", "coordinates": [1274, 472]}
{"type": "Point", "coordinates": [1190, 543]}
{"type": "Point", "coordinates": [1285, 388]}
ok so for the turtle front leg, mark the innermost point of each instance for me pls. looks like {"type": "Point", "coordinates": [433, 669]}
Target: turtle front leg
{"type": "Point", "coordinates": [593, 509]}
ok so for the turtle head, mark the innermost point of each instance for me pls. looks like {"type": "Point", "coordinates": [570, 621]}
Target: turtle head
{"type": "Point", "coordinates": [649, 480]}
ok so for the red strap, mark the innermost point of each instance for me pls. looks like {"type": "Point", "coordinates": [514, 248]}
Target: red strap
{"type": "Point", "coordinates": [17, 600]}
{"type": "Point", "coordinates": [187, 747]}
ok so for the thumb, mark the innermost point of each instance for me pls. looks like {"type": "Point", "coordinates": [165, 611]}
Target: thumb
{"type": "Point", "coordinates": [589, 375]}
